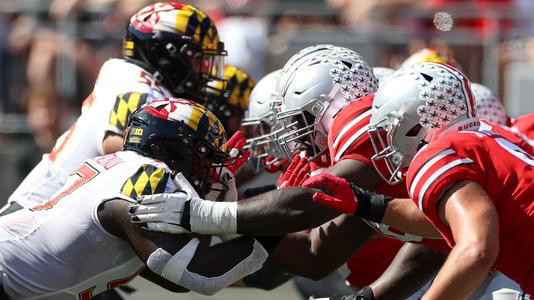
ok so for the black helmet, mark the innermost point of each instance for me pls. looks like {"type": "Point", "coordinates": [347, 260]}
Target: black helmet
{"type": "Point", "coordinates": [181, 133]}
{"type": "Point", "coordinates": [230, 98]}
{"type": "Point", "coordinates": [179, 44]}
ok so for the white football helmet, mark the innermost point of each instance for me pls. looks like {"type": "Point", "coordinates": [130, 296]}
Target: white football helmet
{"type": "Point", "coordinates": [314, 85]}
{"type": "Point", "coordinates": [414, 105]}
{"type": "Point", "coordinates": [489, 106]}
{"type": "Point", "coordinates": [382, 73]}
{"type": "Point", "coordinates": [260, 120]}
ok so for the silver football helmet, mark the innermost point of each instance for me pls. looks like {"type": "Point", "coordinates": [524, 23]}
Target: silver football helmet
{"type": "Point", "coordinates": [415, 104]}
{"type": "Point", "coordinates": [314, 85]}
{"type": "Point", "coordinates": [489, 106]}
{"type": "Point", "coordinates": [382, 73]}
{"type": "Point", "coordinates": [260, 120]}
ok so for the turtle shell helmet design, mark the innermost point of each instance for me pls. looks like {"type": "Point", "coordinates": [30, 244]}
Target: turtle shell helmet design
{"type": "Point", "coordinates": [228, 100]}
{"type": "Point", "coordinates": [179, 44]}
{"type": "Point", "coordinates": [414, 106]}
{"type": "Point", "coordinates": [181, 133]}
{"type": "Point", "coordinates": [313, 86]}
{"type": "Point", "coordinates": [489, 106]}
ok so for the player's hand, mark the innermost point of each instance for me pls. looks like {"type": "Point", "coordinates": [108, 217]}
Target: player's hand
{"type": "Point", "coordinates": [162, 212]}
{"type": "Point", "coordinates": [224, 188]}
{"type": "Point", "coordinates": [297, 172]}
{"type": "Point", "coordinates": [337, 192]}
{"type": "Point", "coordinates": [238, 156]}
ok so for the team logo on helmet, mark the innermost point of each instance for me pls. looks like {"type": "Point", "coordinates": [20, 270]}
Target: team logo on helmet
{"type": "Point", "coordinates": [203, 123]}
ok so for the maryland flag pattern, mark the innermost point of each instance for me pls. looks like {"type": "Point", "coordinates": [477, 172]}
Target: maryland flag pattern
{"type": "Point", "coordinates": [147, 180]}
{"type": "Point", "coordinates": [177, 18]}
{"type": "Point", "coordinates": [125, 105]}
{"type": "Point", "coordinates": [202, 122]}
{"type": "Point", "coordinates": [238, 87]}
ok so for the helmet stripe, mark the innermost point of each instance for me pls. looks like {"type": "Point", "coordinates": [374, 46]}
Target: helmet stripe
{"type": "Point", "coordinates": [466, 89]}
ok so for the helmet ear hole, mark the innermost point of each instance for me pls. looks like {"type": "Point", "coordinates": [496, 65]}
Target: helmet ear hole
{"type": "Point", "coordinates": [414, 131]}
{"type": "Point", "coordinates": [427, 77]}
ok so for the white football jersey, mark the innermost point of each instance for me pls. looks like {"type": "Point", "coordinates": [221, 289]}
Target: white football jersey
{"type": "Point", "coordinates": [59, 249]}
{"type": "Point", "coordinates": [120, 89]}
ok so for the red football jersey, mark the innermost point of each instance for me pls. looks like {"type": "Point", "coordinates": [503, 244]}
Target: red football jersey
{"type": "Point", "coordinates": [348, 139]}
{"type": "Point", "coordinates": [503, 168]}
{"type": "Point", "coordinates": [525, 125]}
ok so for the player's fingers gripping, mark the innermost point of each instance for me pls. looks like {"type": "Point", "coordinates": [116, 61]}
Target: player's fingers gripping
{"type": "Point", "coordinates": [301, 174]}
{"type": "Point", "coordinates": [284, 178]}
{"type": "Point", "coordinates": [167, 198]}
{"type": "Point", "coordinates": [145, 209]}
{"type": "Point", "coordinates": [337, 192]}
{"type": "Point", "coordinates": [236, 141]}
{"type": "Point", "coordinates": [150, 217]}
{"type": "Point", "coordinates": [166, 227]}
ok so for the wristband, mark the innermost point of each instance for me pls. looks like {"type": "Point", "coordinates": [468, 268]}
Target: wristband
{"type": "Point", "coordinates": [371, 206]}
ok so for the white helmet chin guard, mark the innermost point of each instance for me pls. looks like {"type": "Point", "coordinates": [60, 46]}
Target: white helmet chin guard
{"type": "Point", "coordinates": [416, 104]}
{"type": "Point", "coordinates": [260, 121]}
{"type": "Point", "coordinates": [314, 85]}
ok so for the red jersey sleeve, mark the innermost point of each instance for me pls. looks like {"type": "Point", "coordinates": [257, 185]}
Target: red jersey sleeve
{"type": "Point", "coordinates": [433, 170]}
{"type": "Point", "coordinates": [348, 138]}
{"type": "Point", "coordinates": [525, 125]}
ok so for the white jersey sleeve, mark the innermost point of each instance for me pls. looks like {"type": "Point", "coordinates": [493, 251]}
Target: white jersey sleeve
{"type": "Point", "coordinates": [60, 249]}
{"type": "Point", "coordinates": [120, 89]}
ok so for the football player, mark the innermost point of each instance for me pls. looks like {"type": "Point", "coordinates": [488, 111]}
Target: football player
{"type": "Point", "coordinates": [171, 145]}
{"type": "Point", "coordinates": [229, 99]}
{"type": "Point", "coordinates": [482, 206]}
{"type": "Point", "coordinates": [319, 84]}
{"type": "Point", "coordinates": [170, 49]}
{"type": "Point", "coordinates": [349, 144]}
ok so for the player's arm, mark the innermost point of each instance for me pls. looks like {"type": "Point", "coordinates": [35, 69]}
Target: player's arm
{"type": "Point", "coordinates": [125, 105]}
{"type": "Point", "coordinates": [112, 142]}
{"type": "Point", "coordinates": [404, 215]}
{"type": "Point", "coordinates": [319, 252]}
{"type": "Point", "coordinates": [179, 259]}
{"type": "Point", "coordinates": [474, 222]}
{"type": "Point", "coordinates": [276, 212]}
{"type": "Point", "coordinates": [413, 266]}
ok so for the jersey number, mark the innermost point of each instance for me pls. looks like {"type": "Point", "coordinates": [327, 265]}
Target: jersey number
{"type": "Point", "coordinates": [85, 172]}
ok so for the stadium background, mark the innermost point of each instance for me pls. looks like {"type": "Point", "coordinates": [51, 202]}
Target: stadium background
{"type": "Point", "coordinates": [51, 51]}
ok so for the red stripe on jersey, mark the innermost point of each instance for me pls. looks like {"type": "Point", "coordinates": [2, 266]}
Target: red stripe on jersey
{"type": "Point", "coordinates": [349, 128]}
{"type": "Point", "coordinates": [433, 167]}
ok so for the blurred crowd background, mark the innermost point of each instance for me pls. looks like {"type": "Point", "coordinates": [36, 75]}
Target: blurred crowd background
{"type": "Point", "coordinates": [51, 51]}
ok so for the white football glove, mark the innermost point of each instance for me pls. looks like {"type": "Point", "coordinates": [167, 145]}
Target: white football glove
{"type": "Point", "coordinates": [184, 212]}
{"type": "Point", "coordinates": [163, 212]}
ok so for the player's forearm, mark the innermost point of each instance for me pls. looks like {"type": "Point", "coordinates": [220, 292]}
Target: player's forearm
{"type": "Point", "coordinates": [464, 270]}
{"type": "Point", "coordinates": [321, 251]}
{"type": "Point", "coordinates": [413, 266]}
{"type": "Point", "coordinates": [281, 211]}
{"type": "Point", "coordinates": [404, 215]}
